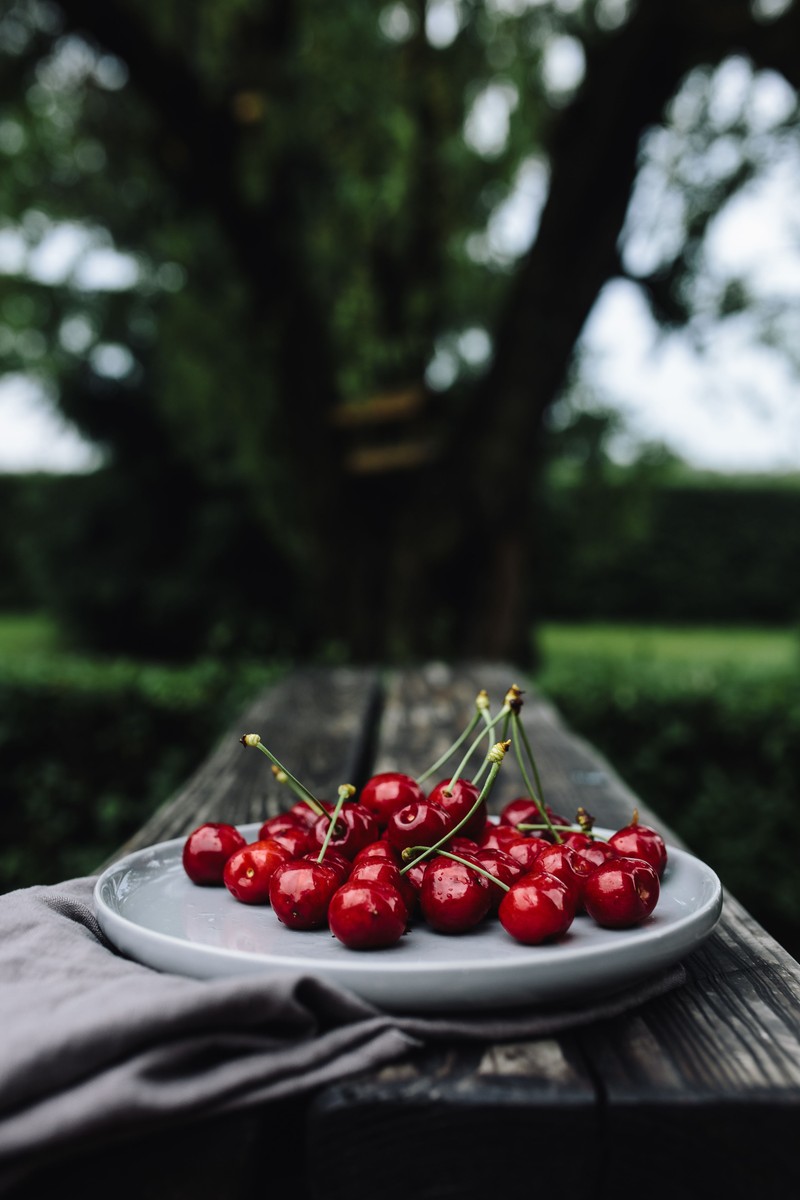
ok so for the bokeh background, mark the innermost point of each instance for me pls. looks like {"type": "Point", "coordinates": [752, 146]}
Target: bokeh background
{"type": "Point", "coordinates": [382, 332]}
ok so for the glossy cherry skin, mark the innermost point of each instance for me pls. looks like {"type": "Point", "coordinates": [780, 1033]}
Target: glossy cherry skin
{"type": "Point", "coordinates": [621, 893]}
{"type": "Point", "coordinates": [536, 909]}
{"type": "Point", "coordinates": [380, 870]}
{"type": "Point", "coordinates": [567, 865]}
{"type": "Point", "coordinates": [366, 915]}
{"type": "Point", "coordinates": [503, 867]}
{"type": "Point", "coordinates": [500, 837]}
{"type": "Point", "coordinates": [355, 828]}
{"type": "Point", "coordinates": [640, 841]}
{"type": "Point", "coordinates": [383, 794]}
{"type": "Point", "coordinates": [300, 892]}
{"type": "Point", "coordinates": [248, 871]}
{"type": "Point", "coordinates": [521, 811]}
{"type": "Point", "coordinates": [279, 824]}
{"type": "Point", "coordinates": [379, 849]}
{"type": "Point", "coordinates": [527, 850]}
{"type": "Point", "coordinates": [297, 838]}
{"type": "Point", "coordinates": [592, 849]}
{"type": "Point", "coordinates": [453, 899]}
{"type": "Point", "coordinates": [458, 802]}
{"type": "Point", "coordinates": [420, 823]}
{"type": "Point", "coordinates": [207, 849]}
{"type": "Point", "coordinates": [333, 860]}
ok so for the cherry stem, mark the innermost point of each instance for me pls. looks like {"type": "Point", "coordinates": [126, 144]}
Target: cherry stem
{"type": "Point", "coordinates": [521, 728]}
{"type": "Point", "coordinates": [491, 722]}
{"type": "Point", "coordinates": [253, 739]}
{"type": "Point", "coordinates": [495, 756]}
{"type": "Point", "coordinates": [448, 753]}
{"type": "Point", "coordinates": [472, 866]}
{"type": "Point", "coordinates": [345, 791]}
{"type": "Point", "coordinates": [477, 776]}
{"type": "Point", "coordinates": [532, 791]}
{"type": "Point", "coordinates": [524, 827]}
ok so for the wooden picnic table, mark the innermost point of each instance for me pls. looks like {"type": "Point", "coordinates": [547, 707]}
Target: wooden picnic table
{"type": "Point", "coordinates": [695, 1094]}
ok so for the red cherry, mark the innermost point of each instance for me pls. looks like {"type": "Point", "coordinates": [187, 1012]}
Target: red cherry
{"type": "Point", "coordinates": [383, 794]}
{"type": "Point", "coordinates": [522, 811]}
{"type": "Point", "coordinates": [300, 892]}
{"type": "Point", "coordinates": [503, 867]}
{"type": "Point", "coordinates": [594, 851]}
{"type": "Point", "coordinates": [567, 865]}
{"type": "Point", "coordinates": [207, 849]}
{"type": "Point", "coordinates": [500, 837]}
{"type": "Point", "coordinates": [367, 915]}
{"type": "Point", "coordinates": [334, 860]}
{"type": "Point", "coordinates": [527, 850]}
{"type": "Point", "coordinates": [453, 899]}
{"type": "Point", "coordinates": [355, 828]}
{"type": "Point", "coordinates": [379, 849]}
{"type": "Point", "coordinates": [379, 870]}
{"type": "Point", "coordinates": [458, 801]}
{"type": "Point", "coordinates": [248, 871]}
{"type": "Point", "coordinates": [537, 908]}
{"type": "Point", "coordinates": [420, 823]}
{"type": "Point", "coordinates": [280, 824]}
{"type": "Point", "coordinates": [621, 893]}
{"type": "Point", "coordinates": [298, 839]}
{"type": "Point", "coordinates": [640, 841]}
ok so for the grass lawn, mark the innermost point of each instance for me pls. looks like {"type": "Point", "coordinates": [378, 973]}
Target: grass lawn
{"type": "Point", "coordinates": [655, 645]}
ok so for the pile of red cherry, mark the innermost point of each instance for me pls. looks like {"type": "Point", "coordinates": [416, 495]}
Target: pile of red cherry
{"type": "Point", "coordinates": [393, 855]}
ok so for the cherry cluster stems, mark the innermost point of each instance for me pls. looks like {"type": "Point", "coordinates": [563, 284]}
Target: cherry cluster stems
{"type": "Point", "coordinates": [490, 724]}
{"type": "Point", "coordinates": [427, 851]}
{"type": "Point", "coordinates": [457, 744]}
{"type": "Point", "coordinates": [332, 823]}
{"type": "Point", "coordinates": [535, 793]}
{"type": "Point", "coordinates": [503, 736]}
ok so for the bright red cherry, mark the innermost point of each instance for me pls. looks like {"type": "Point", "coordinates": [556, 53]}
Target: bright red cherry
{"type": "Point", "coordinates": [621, 893]}
{"type": "Point", "coordinates": [536, 909]}
{"type": "Point", "coordinates": [527, 850]}
{"type": "Point", "coordinates": [297, 838]}
{"type": "Point", "coordinates": [366, 915]}
{"type": "Point", "coordinates": [458, 801]}
{"type": "Point", "coordinates": [500, 837]}
{"type": "Point", "coordinates": [453, 899]}
{"type": "Point", "coordinates": [567, 865]}
{"type": "Point", "coordinates": [300, 892]}
{"type": "Point", "coordinates": [355, 828]}
{"type": "Point", "coordinates": [248, 871]}
{"type": "Point", "coordinates": [640, 841]}
{"type": "Point", "coordinates": [420, 823]}
{"type": "Point", "coordinates": [383, 794]}
{"type": "Point", "coordinates": [208, 848]}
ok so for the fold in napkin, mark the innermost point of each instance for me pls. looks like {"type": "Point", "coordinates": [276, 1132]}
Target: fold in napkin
{"type": "Point", "coordinates": [93, 1045]}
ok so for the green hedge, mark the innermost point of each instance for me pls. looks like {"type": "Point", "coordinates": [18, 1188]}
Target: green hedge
{"type": "Point", "coordinates": [675, 552]}
{"type": "Point", "coordinates": [717, 753]}
{"type": "Point", "coordinates": [88, 751]}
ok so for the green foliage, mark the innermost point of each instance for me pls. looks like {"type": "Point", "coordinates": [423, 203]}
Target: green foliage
{"type": "Point", "coordinates": [621, 547]}
{"type": "Point", "coordinates": [88, 749]}
{"type": "Point", "coordinates": [716, 752]}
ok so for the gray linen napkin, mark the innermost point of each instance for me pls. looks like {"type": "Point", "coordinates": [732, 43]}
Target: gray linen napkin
{"type": "Point", "coordinates": [93, 1044]}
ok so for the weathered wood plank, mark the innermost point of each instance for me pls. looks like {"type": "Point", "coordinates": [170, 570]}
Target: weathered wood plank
{"type": "Point", "coordinates": [317, 722]}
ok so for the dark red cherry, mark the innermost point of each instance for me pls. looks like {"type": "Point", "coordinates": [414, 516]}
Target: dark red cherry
{"type": "Point", "coordinates": [300, 892]}
{"type": "Point", "coordinates": [379, 849]}
{"type": "Point", "coordinates": [592, 849]}
{"type": "Point", "coordinates": [280, 824]}
{"type": "Point", "coordinates": [248, 871]}
{"type": "Point", "coordinates": [383, 794]}
{"type": "Point", "coordinates": [640, 841]}
{"type": "Point", "coordinates": [536, 909]}
{"type": "Point", "coordinates": [420, 823]}
{"type": "Point", "coordinates": [367, 915]}
{"type": "Point", "coordinates": [457, 802]}
{"type": "Point", "coordinates": [503, 867]}
{"type": "Point", "coordinates": [207, 849]}
{"type": "Point", "coordinates": [453, 898]}
{"type": "Point", "coordinates": [621, 893]}
{"type": "Point", "coordinates": [379, 870]}
{"type": "Point", "coordinates": [566, 864]}
{"type": "Point", "coordinates": [297, 838]}
{"type": "Point", "coordinates": [525, 851]}
{"type": "Point", "coordinates": [355, 828]}
{"type": "Point", "coordinates": [521, 811]}
{"type": "Point", "coordinates": [334, 860]}
{"type": "Point", "coordinates": [500, 837]}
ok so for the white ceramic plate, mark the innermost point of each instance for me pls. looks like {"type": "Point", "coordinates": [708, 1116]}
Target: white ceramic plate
{"type": "Point", "coordinates": [153, 913]}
